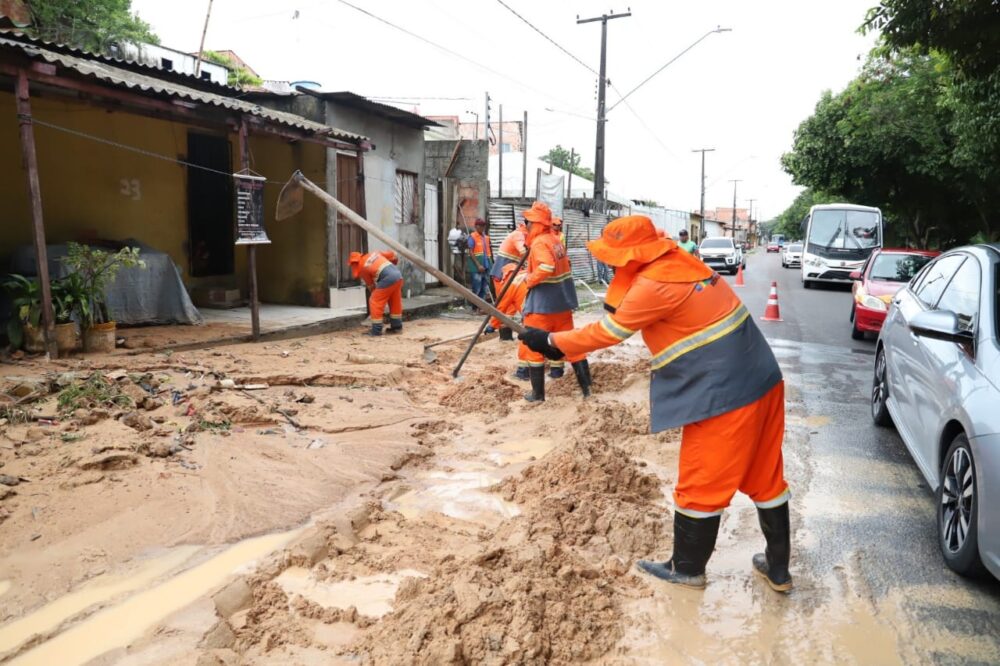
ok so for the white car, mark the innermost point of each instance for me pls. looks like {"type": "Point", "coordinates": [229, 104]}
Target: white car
{"type": "Point", "coordinates": [937, 378]}
{"type": "Point", "coordinates": [722, 254]}
{"type": "Point", "coordinates": [792, 256]}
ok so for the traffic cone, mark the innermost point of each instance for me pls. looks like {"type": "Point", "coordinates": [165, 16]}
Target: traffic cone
{"type": "Point", "coordinates": [739, 277]}
{"type": "Point", "coordinates": [771, 312]}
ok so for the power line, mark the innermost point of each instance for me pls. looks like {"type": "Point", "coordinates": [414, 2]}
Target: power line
{"type": "Point", "coordinates": [670, 62]}
{"type": "Point", "coordinates": [449, 51]}
{"type": "Point", "coordinates": [546, 37]}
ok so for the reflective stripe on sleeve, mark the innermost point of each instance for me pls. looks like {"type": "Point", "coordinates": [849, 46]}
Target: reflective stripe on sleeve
{"type": "Point", "coordinates": [615, 329]}
{"type": "Point", "coordinates": [548, 268]}
{"type": "Point", "coordinates": [719, 329]}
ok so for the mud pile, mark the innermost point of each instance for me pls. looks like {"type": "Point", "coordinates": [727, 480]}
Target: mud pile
{"type": "Point", "coordinates": [547, 586]}
{"type": "Point", "coordinates": [608, 377]}
{"type": "Point", "coordinates": [486, 391]}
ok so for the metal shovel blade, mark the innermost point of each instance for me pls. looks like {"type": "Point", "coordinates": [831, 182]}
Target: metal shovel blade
{"type": "Point", "coordinates": [291, 198]}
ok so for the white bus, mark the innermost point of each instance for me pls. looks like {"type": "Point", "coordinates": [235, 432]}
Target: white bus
{"type": "Point", "coordinates": [837, 240]}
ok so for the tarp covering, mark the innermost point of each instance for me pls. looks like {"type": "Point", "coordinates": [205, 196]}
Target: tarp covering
{"type": "Point", "coordinates": [151, 295]}
{"type": "Point", "coordinates": [550, 191]}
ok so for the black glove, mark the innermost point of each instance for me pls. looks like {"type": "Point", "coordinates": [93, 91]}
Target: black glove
{"type": "Point", "coordinates": [537, 340]}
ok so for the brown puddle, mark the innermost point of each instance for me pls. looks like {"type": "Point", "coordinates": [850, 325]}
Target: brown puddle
{"type": "Point", "coordinates": [124, 622]}
{"type": "Point", "coordinates": [370, 595]}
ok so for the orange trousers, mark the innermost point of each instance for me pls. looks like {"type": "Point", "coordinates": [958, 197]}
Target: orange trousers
{"type": "Point", "coordinates": [391, 296]}
{"type": "Point", "coordinates": [739, 450]}
{"type": "Point", "coordinates": [553, 323]}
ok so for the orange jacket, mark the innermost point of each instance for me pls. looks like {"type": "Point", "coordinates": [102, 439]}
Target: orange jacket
{"type": "Point", "coordinates": [709, 357]}
{"type": "Point", "coordinates": [550, 277]}
{"type": "Point", "coordinates": [511, 250]}
{"type": "Point", "coordinates": [378, 269]}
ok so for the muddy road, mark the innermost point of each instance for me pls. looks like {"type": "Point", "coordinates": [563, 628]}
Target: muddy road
{"type": "Point", "coordinates": [363, 507]}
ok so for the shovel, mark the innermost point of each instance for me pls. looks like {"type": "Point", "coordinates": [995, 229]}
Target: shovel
{"type": "Point", "coordinates": [430, 356]}
{"type": "Point", "coordinates": [290, 202]}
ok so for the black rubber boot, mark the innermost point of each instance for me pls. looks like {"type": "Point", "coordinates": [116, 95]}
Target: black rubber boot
{"type": "Point", "coordinates": [522, 373]}
{"type": "Point", "coordinates": [537, 376]}
{"type": "Point", "coordinates": [506, 334]}
{"type": "Point", "coordinates": [556, 372]}
{"type": "Point", "coordinates": [772, 564]}
{"type": "Point", "coordinates": [694, 541]}
{"type": "Point", "coordinates": [395, 325]}
{"type": "Point", "coordinates": [376, 330]}
{"type": "Point", "coordinates": [582, 373]}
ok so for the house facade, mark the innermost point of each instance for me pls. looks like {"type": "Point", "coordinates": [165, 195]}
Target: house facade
{"type": "Point", "coordinates": [124, 151]}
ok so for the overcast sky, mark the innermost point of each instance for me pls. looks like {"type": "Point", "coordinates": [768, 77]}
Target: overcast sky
{"type": "Point", "coordinates": [743, 92]}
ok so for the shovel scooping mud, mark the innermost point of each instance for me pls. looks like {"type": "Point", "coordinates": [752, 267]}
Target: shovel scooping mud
{"type": "Point", "coordinates": [290, 202]}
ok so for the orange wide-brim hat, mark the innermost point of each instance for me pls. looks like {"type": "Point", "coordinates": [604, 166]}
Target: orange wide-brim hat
{"type": "Point", "coordinates": [355, 261]}
{"type": "Point", "coordinates": [539, 213]}
{"type": "Point", "coordinates": [631, 238]}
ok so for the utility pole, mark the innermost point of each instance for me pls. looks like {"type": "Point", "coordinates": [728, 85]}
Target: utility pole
{"type": "Point", "coordinates": [569, 178]}
{"type": "Point", "coordinates": [601, 89]}
{"type": "Point", "coordinates": [750, 219]}
{"type": "Point", "coordinates": [486, 122]}
{"type": "Point", "coordinates": [201, 47]}
{"type": "Point", "coordinates": [701, 210]}
{"type": "Point", "coordinates": [738, 180]}
{"type": "Point", "coordinates": [524, 157]}
{"type": "Point", "coordinates": [500, 152]}
{"type": "Point", "coordinates": [475, 132]}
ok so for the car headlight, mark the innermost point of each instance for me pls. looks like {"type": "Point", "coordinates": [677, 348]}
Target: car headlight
{"type": "Point", "coordinates": [873, 303]}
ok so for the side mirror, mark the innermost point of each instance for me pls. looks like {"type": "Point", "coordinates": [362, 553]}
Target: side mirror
{"type": "Point", "coordinates": [855, 275]}
{"type": "Point", "coordinates": [940, 325]}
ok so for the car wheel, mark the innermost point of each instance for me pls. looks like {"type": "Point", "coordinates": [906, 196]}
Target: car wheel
{"type": "Point", "coordinates": [732, 271]}
{"type": "Point", "coordinates": [853, 307]}
{"type": "Point", "coordinates": [856, 333]}
{"type": "Point", "coordinates": [958, 510]}
{"type": "Point", "coordinates": [880, 392]}
{"type": "Point", "coordinates": [806, 284]}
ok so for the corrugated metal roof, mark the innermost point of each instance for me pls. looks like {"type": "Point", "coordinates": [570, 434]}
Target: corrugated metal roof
{"type": "Point", "coordinates": [106, 72]}
{"type": "Point", "coordinates": [384, 110]}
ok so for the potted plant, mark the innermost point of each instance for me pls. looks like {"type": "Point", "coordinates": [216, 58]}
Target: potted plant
{"type": "Point", "coordinates": [23, 327]}
{"type": "Point", "coordinates": [69, 299]}
{"type": "Point", "coordinates": [96, 269]}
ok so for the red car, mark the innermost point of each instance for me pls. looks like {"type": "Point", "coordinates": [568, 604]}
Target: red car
{"type": "Point", "coordinates": [886, 272]}
{"type": "Point", "coordinates": [773, 246]}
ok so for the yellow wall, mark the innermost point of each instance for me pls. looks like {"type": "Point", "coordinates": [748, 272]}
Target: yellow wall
{"type": "Point", "coordinates": [93, 190]}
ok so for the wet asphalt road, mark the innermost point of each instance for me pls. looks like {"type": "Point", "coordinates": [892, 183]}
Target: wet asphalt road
{"type": "Point", "coordinates": [865, 516]}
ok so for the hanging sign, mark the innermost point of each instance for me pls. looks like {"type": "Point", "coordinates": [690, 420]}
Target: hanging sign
{"type": "Point", "coordinates": [250, 209]}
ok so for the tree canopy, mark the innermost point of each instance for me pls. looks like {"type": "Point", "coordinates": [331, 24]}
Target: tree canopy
{"type": "Point", "coordinates": [93, 25]}
{"type": "Point", "coordinates": [567, 161]}
{"type": "Point", "coordinates": [903, 137]}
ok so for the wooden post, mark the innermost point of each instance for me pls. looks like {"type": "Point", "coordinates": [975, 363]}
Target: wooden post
{"type": "Point", "coordinates": [524, 157]}
{"type": "Point", "coordinates": [244, 146]}
{"type": "Point", "coordinates": [30, 161]}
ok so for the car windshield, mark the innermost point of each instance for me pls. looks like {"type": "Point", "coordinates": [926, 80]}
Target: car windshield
{"type": "Point", "coordinates": [795, 247]}
{"type": "Point", "coordinates": [897, 267]}
{"type": "Point", "coordinates": [717, 243]}
{"type": "Point", "coordinates": [845, 229]}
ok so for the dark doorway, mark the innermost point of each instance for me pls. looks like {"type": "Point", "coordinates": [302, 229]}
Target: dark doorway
{"type": "Point", "coordinates": [350, 237]}
{"type": "Point", "coordinates": [210, 205]}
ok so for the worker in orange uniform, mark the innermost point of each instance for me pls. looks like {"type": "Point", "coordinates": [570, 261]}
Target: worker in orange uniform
{"type": "Point", "coordinates": [511, 304]}
{"type": "Point", "coordinates": [379, 272]}
{"type": "Point", "coordinates": [480, 259]}
{"type": "Point", "coordinates": [714, 374]}
{"type": "Point", "coordinates": [510, 252]}
{"type": "Point", "coordinates": [550, 302]}
{"type": "Point", "coordinates": [557, 229]}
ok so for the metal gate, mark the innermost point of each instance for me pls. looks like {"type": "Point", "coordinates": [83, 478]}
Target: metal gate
{"type": "Point", "coordinates": [431, 230]}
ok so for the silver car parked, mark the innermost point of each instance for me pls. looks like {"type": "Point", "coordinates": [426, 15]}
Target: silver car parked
{"type": "Point", "coordinates": [937, 377]}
